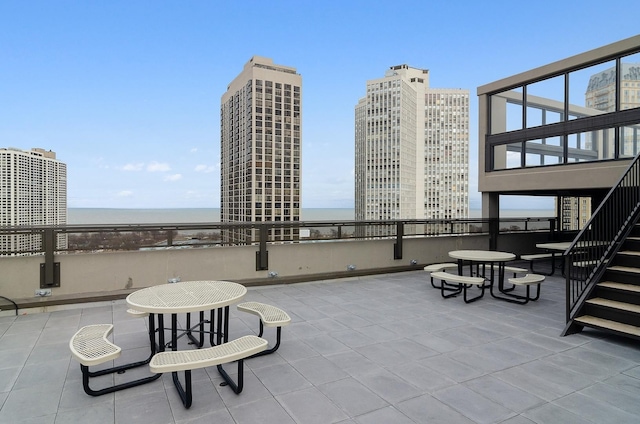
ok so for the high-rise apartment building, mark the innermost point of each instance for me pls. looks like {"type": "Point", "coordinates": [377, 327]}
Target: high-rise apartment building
{"type": "Point", "coordinates": [411, 149]}
{"type": "Point", "coordinates": [33, 191]}
{"type": "Point", "coordinates": [601, 92]}
{"type": "Point", "coordinates": [601, 96]}
{"type": "Point", "coordinates": [260, 138]}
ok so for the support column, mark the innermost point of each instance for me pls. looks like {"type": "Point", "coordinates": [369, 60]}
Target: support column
{"type": "Point", "coordinates": [491, 211]}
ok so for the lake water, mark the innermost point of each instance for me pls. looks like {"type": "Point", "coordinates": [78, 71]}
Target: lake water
{"type": "Point", "coordinates": [92, 216]}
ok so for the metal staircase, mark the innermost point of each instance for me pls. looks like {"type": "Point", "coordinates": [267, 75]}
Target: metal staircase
{"type": "Point", "coordinates": [602, 265]}
{"type": "Point", "coordinates": [614, 303]}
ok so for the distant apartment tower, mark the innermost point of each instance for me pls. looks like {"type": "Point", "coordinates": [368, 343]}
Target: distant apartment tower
{"type": "Point", "coordinates": [576, 211]}
{"type": "Point", "coordinates": [33, 192]}
{"type": "Point", "coordinates": [260, 138]}
{"type": "Point", "coordinates": [601, 95]}
{"type": "Point", "coordinates": [411, 149]}
{"type": "Point", "coordinates": [601, 92]}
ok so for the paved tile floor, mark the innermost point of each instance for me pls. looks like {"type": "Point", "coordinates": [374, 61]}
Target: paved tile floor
{"type": "Point", "coordinates": [378, 349]}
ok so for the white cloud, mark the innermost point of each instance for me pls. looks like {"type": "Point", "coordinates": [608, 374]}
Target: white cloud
{"type": "Point", "coordinates": [174, 177]}
{"type": "Point", "coordinates": [133, 167]}
{"type": "Point", "coordinates": [125, 193]}
{"type": "Point", "coordinates": [158, 167]}
{"type": "Point", "coordinates": [194, 150]}
{"type": "Point", "coordinates": [205, 168]}
{"type": "Point", "coordinates": [101, 163]}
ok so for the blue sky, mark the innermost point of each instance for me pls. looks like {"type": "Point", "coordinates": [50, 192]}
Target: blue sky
{"type": "Point", "coordinates": [127, 93]}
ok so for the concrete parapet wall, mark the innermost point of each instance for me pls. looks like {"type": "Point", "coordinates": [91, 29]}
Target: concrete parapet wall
{"type": "Point", "coordinates": [110, 273]}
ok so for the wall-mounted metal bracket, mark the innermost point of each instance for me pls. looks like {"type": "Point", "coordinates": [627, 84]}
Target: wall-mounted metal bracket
{"type": "Point", "coordinates": [52, 278]}
{"type": "Point", "coordinates": [397, 247]}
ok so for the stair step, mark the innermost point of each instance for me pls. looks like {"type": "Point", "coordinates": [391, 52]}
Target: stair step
{"type": "Point", "coordinates": [620, 286]}
{"type": "Point", "coordinates": [614, 304]}
{"type": "Point", "coordinates": [628, 269]}
{"type": "Point", "coordinates": [609, 325]}
{"type": "Point", "coordinates": [629, 252]}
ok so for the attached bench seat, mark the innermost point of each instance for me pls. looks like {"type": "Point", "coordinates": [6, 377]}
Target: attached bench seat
{"type": "Point", "coordinates": [137, 314]}
{"type": "Point", "coordinates": [90, 346]}
{"type": "Point", "coordinates": [439, 267]}
{"type": "Point", "coordinates": [184, 360]}
{"type": "Point", "coordinates": [539, 257]}
{"type": "Point", "coordinates": [187, 360]}
{"type": "Point", "coordinates": [496, 268]}
{"type": "Point", "coordinates": [527, 281]}
{"type": "Point", "coordinates": [462, 281]}
{"type": "Point", "coordinates": [270, 316]}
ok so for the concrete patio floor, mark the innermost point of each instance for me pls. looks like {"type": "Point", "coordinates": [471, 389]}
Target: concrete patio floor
{"type": "Point", "coordinates": [378, 349]}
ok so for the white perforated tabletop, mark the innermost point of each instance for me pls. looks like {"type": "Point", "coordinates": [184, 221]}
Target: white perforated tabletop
{"type": "Point", "coordinates": [482, 255]}
{"type": "Point", "coordinates": [186, 296]}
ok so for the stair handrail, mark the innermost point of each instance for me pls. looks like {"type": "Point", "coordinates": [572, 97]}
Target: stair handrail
{"type": "Point", "coordinates": [586, 258]}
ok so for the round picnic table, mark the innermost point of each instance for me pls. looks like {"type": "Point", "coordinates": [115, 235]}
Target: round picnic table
{"type": "Point", "coordinates": [187, 297]}
{"type": "Point", "coordinates": [483, 257]}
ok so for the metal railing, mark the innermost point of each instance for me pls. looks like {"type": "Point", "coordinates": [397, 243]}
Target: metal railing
{"type": "Point", "coordinates": [10, 302]}
{"type": "Point", "coordinates": [111, 237]}
{"type": "Point", "coordinates": [596, 244]}
{"type": "Point", "coordinates": [61, 240]}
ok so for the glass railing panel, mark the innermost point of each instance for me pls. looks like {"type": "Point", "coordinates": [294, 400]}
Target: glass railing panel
{"type": "Point", "coordinates": [591, 146]}
{"type": "Point", "coordinates": [545, 102]}
{"type": "Point", "coordinates": [592, 90]}
{"type": "Point", "coordinates": [506, 111]}
{"type": "Point", "coordinates": [541, 152]}
{"type": "Point", "coordinates": [507, 156]}
{"type": "Point", "coordinates": [630, 82]}
{"type": "Point", "coordinates": [629, 141]}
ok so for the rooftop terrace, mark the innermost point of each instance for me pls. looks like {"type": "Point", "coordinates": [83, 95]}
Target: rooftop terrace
{"type": "Point", "coordinates": [374, 349]}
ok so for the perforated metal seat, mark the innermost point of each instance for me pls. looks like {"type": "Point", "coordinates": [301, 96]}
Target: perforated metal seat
{"type": "Point", "coordinates": [187, 360]}
{"type": "Point", "coordinates": [270, 316]}
{"type": "Point", "coordinates": [90, 346]}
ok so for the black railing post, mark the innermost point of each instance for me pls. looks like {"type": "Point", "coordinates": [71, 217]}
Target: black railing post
{"type": "Point", "coordinates": [169, 237]}
{"type": "Point", "coordinates": [49, 270]}
{"type": "Point", "coordinates": [397, 247]}
{"type": "Point", "coordinates": [262, 256]}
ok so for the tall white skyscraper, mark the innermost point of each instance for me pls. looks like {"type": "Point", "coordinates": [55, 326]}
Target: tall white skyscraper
{"type": "Point", "coordinates": [261, 138]}
{"type": "Point", "coordinates": [411, 149]}
{"type": "Point", "coordinates": [33, 191]}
